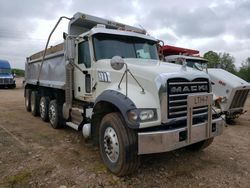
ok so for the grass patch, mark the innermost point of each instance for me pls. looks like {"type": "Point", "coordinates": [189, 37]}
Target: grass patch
{"type": "Point", "coordinates": [20, 178]}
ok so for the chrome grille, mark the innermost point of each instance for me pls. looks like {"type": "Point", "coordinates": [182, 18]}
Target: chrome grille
{"type": "Point", "coordinates": [6, 81]}
{"type": "Point", "coordinates": [239, 98]}
{"type": "Point", "coordinates": [178, 90]}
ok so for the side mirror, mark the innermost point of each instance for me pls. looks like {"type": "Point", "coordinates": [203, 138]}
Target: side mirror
{"type": "Point", "coordinates": [70, 48]}
{"type": "Point", "coordinates": [65, 35]}
{"type": "Point", "coordinates": [117, 63]}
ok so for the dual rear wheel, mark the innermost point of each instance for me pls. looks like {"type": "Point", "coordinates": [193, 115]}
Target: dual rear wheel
{"type": "Point", "coordinates": [34, 103]}
{"type": "Point", "coordinates": [49, 110]}
{"type": "Point", "coordinates": [44, 108]}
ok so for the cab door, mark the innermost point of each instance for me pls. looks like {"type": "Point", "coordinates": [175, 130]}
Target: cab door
{"type": "Point", "coordinates": [83, 71]}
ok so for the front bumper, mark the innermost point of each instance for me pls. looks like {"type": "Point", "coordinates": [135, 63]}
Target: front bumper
{"type": "Point", "coordinates": [163, 141]}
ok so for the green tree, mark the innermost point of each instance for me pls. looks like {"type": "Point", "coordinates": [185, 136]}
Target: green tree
{"type": "Point", "coordinates": [227, 62]}
{"type": "Point", "coordinates": [244, 71]}
{"type": "Point", "coordinates": [18, 72]}
{"type": "Point", "coordinates": [221, 60]}
{"type": "Point", "coordinates": [213, 58]}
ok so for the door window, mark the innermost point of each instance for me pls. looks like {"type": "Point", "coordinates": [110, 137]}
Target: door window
{"type": "Point", "coordinates": [84, 54]}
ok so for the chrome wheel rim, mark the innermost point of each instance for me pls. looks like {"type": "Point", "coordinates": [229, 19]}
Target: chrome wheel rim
{"type": "Point", "coordinates": [52, 114]}
{"type": "Point", "coordinates": [32, 100]}
{"type": "Point", "coordinates": [111, 144]}
{"type": "Point", "coordinates": [42, 108]}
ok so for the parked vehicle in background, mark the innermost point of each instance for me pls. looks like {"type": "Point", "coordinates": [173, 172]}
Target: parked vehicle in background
{"type": "Point", "coordinates": [106, 80]}
{"type": "Point", "coordinates": [7, 79]}
{"type": "Point", "coordinates": [230, 91]}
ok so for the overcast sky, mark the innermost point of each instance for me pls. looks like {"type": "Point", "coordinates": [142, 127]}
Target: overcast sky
{"type": "Point", "coordinates": [218, 25]}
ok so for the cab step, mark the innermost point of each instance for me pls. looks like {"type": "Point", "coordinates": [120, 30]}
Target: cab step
{"type": "Point", "coordinates": [72, 125]}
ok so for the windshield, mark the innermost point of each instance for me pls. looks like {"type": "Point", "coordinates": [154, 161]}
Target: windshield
{"type": "Point", "coordinates": [197, 64]}
{"type": "Point", "coordinates": [5, 71]}
{"type": "Point", "coordinates": [107, 46]}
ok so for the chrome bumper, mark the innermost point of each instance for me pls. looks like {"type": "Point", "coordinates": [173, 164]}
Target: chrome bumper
{"type": "Point", "coordinates": [163, 141]}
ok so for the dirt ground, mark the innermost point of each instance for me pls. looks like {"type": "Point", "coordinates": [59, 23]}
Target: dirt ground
{"type": "Point", "coordinates": [32, 154]}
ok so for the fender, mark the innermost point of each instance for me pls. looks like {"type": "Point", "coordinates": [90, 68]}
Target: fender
{"type": "Point", "coordinates": [120, 101]}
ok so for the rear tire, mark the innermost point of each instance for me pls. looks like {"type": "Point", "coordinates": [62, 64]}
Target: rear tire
{"type": "Point", "coordinates": [44, 108]}
{"type": "Point", "coordinates": [55, 114]}
{"type": "Point", "coordinates": [200, 145]}
{"type": "Point", "coordinates": [27, 99]}
{"type": "Point", "coordinates": [34, 103]}
{"type": "Point", "coordinates": [118, 145]}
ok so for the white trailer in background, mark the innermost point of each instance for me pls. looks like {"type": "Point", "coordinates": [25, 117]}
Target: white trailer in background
{"type": "Point", "coordinates": [230, 91]}
{"type": "Point", "coordinates": [106, 80]}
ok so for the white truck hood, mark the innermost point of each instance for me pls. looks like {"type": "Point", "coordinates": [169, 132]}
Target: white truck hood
{"type": "Point", "coordinates": [233, 88]}
{"type": "Point", "coordinates": [161, 71]}
{"type": "Point", "coordinates": [228, 78]}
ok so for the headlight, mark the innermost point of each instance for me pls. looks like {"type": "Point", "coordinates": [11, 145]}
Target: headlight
{"type": "Point", "coordinates": [146, 115]}
{"type": "Point", "coordinates": [142, 115]}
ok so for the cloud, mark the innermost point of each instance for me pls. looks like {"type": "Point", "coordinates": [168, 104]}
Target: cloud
{"type": "Point", "coordinates": [221, 26]}
{"type": "Point", "coordinates": [19, 20]}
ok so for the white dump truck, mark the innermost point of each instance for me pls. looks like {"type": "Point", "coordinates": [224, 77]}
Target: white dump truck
{"type": "Point", "coordinates": [230, 91]}
{"type": "Point", "coordinates": [107, 81]}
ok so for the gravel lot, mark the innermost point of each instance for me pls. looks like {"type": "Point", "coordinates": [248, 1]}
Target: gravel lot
{"type": "Point", "coordinates": [35, 155]}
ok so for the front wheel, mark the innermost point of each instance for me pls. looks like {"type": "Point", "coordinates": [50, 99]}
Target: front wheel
{"type": "Point", "coordinates": [118, 145]}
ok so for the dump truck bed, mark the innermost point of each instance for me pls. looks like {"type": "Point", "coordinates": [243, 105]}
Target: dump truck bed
{"type": "Point", "coordinates": [53, 69]}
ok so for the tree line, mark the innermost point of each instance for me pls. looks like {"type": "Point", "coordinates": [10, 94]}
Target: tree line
{"type": "Point", "coordinates": [18, 72]}
{"type": "Point", "coordinates": [227, 62]}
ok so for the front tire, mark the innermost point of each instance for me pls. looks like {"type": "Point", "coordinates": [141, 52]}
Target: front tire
{"type": "Point", "coordinates": [118, 145]}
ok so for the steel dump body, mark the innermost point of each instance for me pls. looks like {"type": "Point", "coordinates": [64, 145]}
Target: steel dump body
{"type": "Point", "coordinates": [52, 73]}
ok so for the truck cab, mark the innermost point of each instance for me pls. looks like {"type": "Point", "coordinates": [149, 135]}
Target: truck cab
{"type": "Point", "coordinates": [230, 91]}
{"type": "Point", "coordinates": [106, 80]}
{"type": "Point", "coordinates": [7, 79]}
